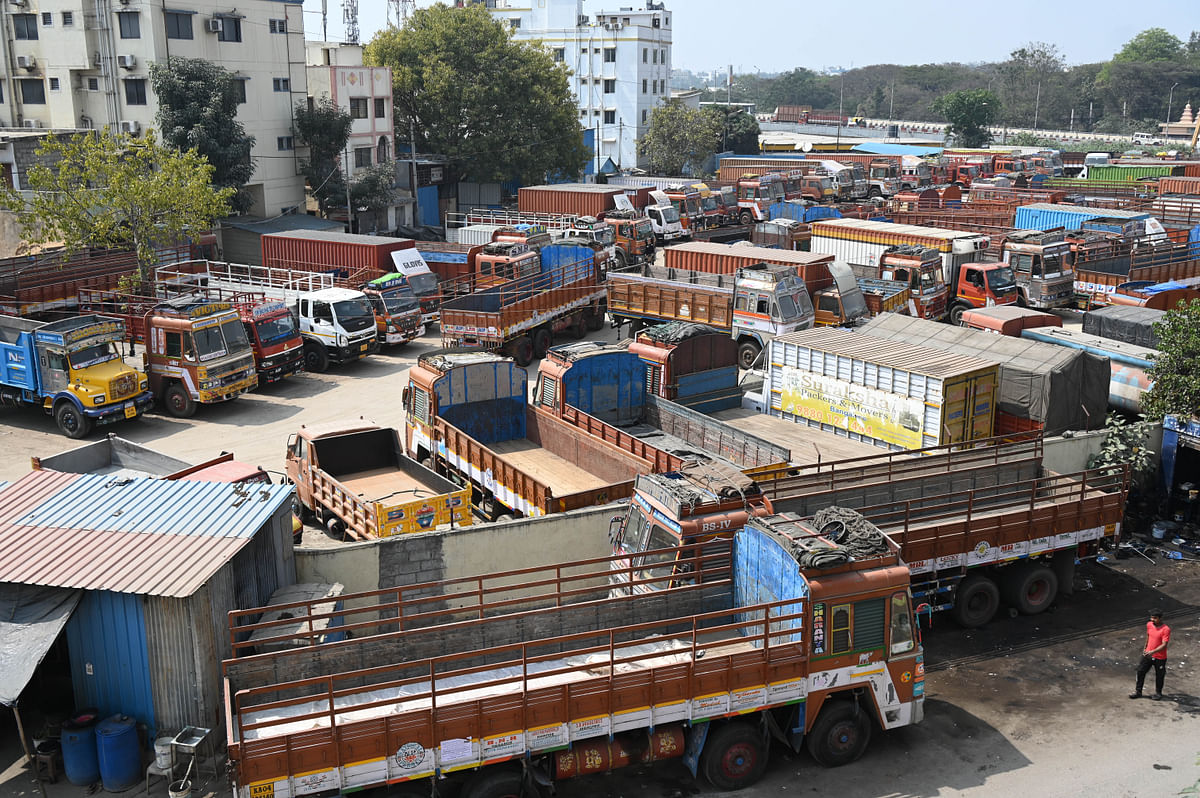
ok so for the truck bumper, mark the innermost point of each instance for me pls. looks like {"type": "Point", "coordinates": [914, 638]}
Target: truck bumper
{"type": "Point", "coordinates": [227, 392]}
{"type": "Point", "coordinates": [353, 352]}
{"type": "Point", "coordinates": [403, 336]}
{"type": "Point", "coordinates": [119, 411]}
{"type": "Point", "coordinates": [277, 372]}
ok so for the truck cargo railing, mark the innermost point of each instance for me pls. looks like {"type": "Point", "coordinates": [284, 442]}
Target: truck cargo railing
{"type": "Point", "coordinates": [554, 222]}
{"type": "Point", "coordinates": [395, 611]}
{"type": "Point", "coordinates": [1021, 196]}
{"type": "Point", "coordinates": [707, 433]}
{"type": "Point", "coordinates": [660, 461]}
{"type": "Point", "coordinates": [239, 275]}
{"type": "Point", "coordinates": [1111, 188]}
{"type": "Point", "coordinates": [1175, 213]}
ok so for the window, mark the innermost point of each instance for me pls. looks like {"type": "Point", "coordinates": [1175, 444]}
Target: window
{"type": "Point", "coordinates": [624, 20]}
{"type": "Point", "coordinates": [381, 151]}
{"type": "Point", "coordinates": [560, 54]}
{"type": "Point", "coordinates": [902, 630]}
{"type": "Point", "coordinates": [515, 23]}
{"type": "Point", "coordinates": [583, 112]}
{"type": "Point", "coordinates": [643, 116]}
{"type": "Point", "coordinates": [839, 629]}
{"type": "Point", "coordinates": [1, 92]}
{"type": "Point", "coordinates": [596, 81]}
{"type": "Point", "coordinates": [135, 92]}
{"type": "Point", "coordinates": [662, 59]}
{"type": "Point", "coordinates": [380, 108]}
{"type": "Point", "coordinates": [654, 58]}
{"type": "Point", "coordinates": [93, 84]}
{"type": "Point", "coordinates": [231, 29]}
{"type": "Point", "coordinates": [645, 54]}
{"type": "Point", "coordinates": [358, 107]}
{"type": "Point", "coordinates": [643, 85]}
{"type": "Point", "coordinates": [277, 25]}
{"type": "Point", "coordinates": [610, 117]}
{"type": "Point", "coordinates": [362, 157]}
{"type": "Point", "coordinates": [179, 26]}
{"type": "Point", "coordinates": [322, 312]}
{"type": "Point", "coordinates": [654, 22]}
{"type": "Point", "coordinates": [68, 18]}
{"type": "Point", "coordinates": [239, 90]}
{"type": "Point", "coordinates": [281, 84]}
{"type": "Point", "coordinates": [610, 86]}
{"type": "Point", "coordinates": [33, 91]}
{"type": "Point", "coordinates": [610, 55]}
{"type": "Point", "coordinates": [25, 27]}
{"type": "Point", "coordinates": [285, 143]}
{"type": "Point", "coordinates": [174, 344]}
{"type": "Point", "coordinates": [47, 19]}
{"type": "Point", "coordinates": [130, 24]}
{"type": "Point", "coordinates": [53, 84]}
{"type": "Point", "coordinates": [869, 624]}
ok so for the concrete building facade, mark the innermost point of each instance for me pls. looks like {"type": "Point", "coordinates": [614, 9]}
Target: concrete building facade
{"type": "Point", "coordinates": [85, 64]}
{"type": "Point", "coordinates": [620, 62]}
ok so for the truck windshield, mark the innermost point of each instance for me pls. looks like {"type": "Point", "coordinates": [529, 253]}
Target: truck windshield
{"type": "Point", "coordinates": [220, 339]}
{"type": "Point", "coordinates": [709, 203]}
{"type": "Point", "coordinates": [657, 565]}
{"type": "Point", "coordinates": [270, 331]}
{"type": "Point", "coordinates": [670, 215]}
{"type": "Point", "coordinates": [423, 284]}
{"type": "Point", "coordinates": [776, 191]}
{"type": "Point", "coordinates": [354, 314]}
{"type": "Point", "coordinates": [605, 236]}
{"type": "Point", "coordinates": [879, 173]}
{"type": "Point", "coordinates": [399, 302]}
{"type": "Point", "coordinates": [1000, 279]}
{"type": "Point", "coordinates": [793, 306]}
{"type": "Point", "coordinates": [1054, 264]}
{"type": "Point", "coordinates": [644, 230]}
{"type": "Point", "coordinates": [93, 355]}
{"type": "Point", "coordinates": [930, 280]}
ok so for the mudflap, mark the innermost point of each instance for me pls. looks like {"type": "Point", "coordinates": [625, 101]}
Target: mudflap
{"type": "Point", "coordinates": [793, 735]}
{"type": "Point", "coordinates": [697, 736]}
{"type": "Point", "coordinates": [1063, 565]}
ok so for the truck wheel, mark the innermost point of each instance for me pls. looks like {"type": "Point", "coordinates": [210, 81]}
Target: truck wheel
{"type": "Point", "coordinates": [735, 756]}
{"type": "Point", "coordinates": [956, 314]}
{"type": "Point", "coordinates": [840, 734]}
{"type": "Point", "coordinates": [745, 218]}
{"type": "Point", "coordinates": [542, 339]}
{"type": "Point", "coordinates": [579, 326]}
{"type": "Point", "coordinates": [179, 402]}
{"type": "Point", "coordinates": [494, 784]}
{"type": "Point", "coordinates": [522, 351]}
{"type": "Point", "coordinates": [1031, 588]}
{"type": "Point", "coordinates": [595, 318]}
{"type": "Point", "coordinates": [748, 352]}
{"type": "Point", "coordinates": [1022, 302]}
{"type": "Point", "coordinates": [316, 359]}
{"type": "Point", "coordinates": [622, 259]}
{"type": "Point", "coordinates": [71, 421]}
{"type": "Point", "coordinates": [336, 527]}
{"type": "Point", "coordinates": [874, 192]}
{"type": "Point", "coordinates": [976, 601]}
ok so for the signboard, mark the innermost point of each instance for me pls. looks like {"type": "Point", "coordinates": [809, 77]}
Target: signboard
{"type": "Point", "coordinates": [866, 411]}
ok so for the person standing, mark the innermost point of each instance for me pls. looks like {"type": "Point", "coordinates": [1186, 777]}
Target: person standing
{"type": "Point", "coordinates": [1158, 634]}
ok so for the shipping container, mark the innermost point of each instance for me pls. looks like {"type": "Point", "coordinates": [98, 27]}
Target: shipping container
{"type": "Point", "coordinates": [448, 260]}
{"type": "Point", "coordinates": [1059, 388]}
{"type": "Point", "coordinates": [703, 256]}
{"type": "Point", "coordinates": [583, 199]}
{"type": "Point", "coordinates": [1047, 216]}
{"type": "Point", "coordinates": [1131, 173]}
{"type": "Point", "coordinates": [1178, 185]}
{"type": "Point", "coordinates": [321, 250]}
{"type": "Point", "coordinates": [891, 395]}
{"type": "Point", "coordinates": [475, 235]}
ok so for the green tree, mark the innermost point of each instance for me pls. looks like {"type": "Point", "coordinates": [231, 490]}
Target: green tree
{"type": "Point", "coordinates": [324, 129]}
{"type": "Point", "coordinates": [1032, 84]}
{"type": "Point", "coordinates": [375, 187]}
{"type": "Point", "coordinates": [969, 114]}
{"type": "Point", "coordinates": [197, 110]}
{"type": "Point", "coordinates": [679, 137]}
{"type": "Point", "coordinates": [98, 189]}
{"type": "Point", "coordinates": [498, 109]}
{"type": "Point", "coordinates": [1152, 44]}
{"type": "Point", "coordinates": [736, 130]}
{"type": "Point", "coordinates": [1176, 370]}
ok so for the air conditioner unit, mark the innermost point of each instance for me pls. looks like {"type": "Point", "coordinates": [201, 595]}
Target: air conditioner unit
{"type": "Point", "coordinates": [131, 126]}
{"type": "Point", "coordinates": [609, 26]}
{"type": "Point", "coordinates": [32, 123]}
{"type": "Point", "coordinates": [214, 25]}
{"type": "Point", "coordinates": [26, 62]}
{"type": "Point", "coordinates": [127, 61]}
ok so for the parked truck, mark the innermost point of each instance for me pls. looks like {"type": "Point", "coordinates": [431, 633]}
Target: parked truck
{"type": "Point", "coordinates": [72, 369]}
{"type": "Point", "coordinates": [920, 268]}
{"type": "Point", "coordinates": [754, 645]}
{"type": "Point", "coordinates": [974, 284]}
{"type": "Point", "coordinates": [1103, 261]}
{"type": "Point", "coordinates": [397, 310]}
{"type": "Point", "coordinates": [693, 365]}
{"type": "Point", "coordinates": [520, 316]}
{"type": "Point", "coordinates": [196, 349]}
{"type": "Point", "coordinates": [356, 480]}
{"type": "Point", "coordinates": [468, 415]}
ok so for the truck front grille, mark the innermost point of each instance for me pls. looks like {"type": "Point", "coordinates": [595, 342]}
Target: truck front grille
{"type": "Point", "coordinates": [123, 386]}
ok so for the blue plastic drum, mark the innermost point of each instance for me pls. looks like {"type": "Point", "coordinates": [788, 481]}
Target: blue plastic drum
{"type": "Point", "coordinates": [80, 761]}
{"type": "Point", "coordinates": [117, 750]}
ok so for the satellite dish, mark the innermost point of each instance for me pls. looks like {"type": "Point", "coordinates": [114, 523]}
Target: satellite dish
{"type": "Point", "coordinates": [806, 146]}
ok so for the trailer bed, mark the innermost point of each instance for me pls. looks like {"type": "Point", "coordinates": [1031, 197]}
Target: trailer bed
{"type": "Point", "coordinates": [808, 445]}
{"type": "Point", "coordinates": [559, 474]}
{"type": "Point", "coordinates": [382, 484]}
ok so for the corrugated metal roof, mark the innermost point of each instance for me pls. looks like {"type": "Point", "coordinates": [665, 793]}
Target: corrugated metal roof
{"type": "Point", "coordinates": [892, 227]}
{"type": "Point", "coordinates": [588, 188]}
{"type": "Point", "coordinates": [282, 224]}
{"type": "Point", "coordinates": [910, 357]}
{"type": "Point", "coordinates": [772, 254]}
{"type": "Point", "coordinates": [144, 536]}
{"type": "Point", "coordinates": [887, 148]}
{"type": "Point", "coordinates": [1107, 213]}
{"type": "Point", "coordinates": [341, 237]}
{"type": "Point", "coordinates": [1034, 356]}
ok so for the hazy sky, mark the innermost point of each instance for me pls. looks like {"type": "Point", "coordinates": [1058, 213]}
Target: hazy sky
{"type": "Point", "coordinates": [777, 35]}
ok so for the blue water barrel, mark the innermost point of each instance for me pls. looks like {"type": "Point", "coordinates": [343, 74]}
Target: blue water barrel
{"type": "Point", "coordinates": [117, 750]}
{"type": "Point", "coordinates": [79, 749]}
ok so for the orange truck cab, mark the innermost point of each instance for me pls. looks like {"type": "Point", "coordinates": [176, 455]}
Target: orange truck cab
{"type": "Point", "coordinates": [981, 285]}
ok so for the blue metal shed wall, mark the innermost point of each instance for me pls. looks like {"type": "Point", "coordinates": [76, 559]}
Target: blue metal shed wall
{"type": "Point", "coordinates": [107, 634]}
{"type": "Point", "coordinates": [430, 212]}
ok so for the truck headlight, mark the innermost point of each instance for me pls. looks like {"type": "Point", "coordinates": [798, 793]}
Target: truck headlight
{"type": "Point", "coordinates": [144, 385]}
{"type": "Point", "coordinates": [98, 400]}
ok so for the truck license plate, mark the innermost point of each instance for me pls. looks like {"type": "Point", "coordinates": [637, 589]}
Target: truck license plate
{"type": "Point", "coordinates": [130, 410]}
{"type": "Point", "coordinates": [362, 348]}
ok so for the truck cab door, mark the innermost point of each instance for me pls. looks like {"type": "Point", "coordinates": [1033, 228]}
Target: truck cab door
{"type": "Point", "coordinates": [55, 374]}
{"type": "Point", "coordinates": [299, 469]}
{"type": "Point", "coordinates": [972, 287]}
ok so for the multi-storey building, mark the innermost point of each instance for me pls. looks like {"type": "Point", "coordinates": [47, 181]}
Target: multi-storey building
{"type": "Point", "coordinates": [84, 64]}
{"type": "Point", "coordinates": [620, 63]}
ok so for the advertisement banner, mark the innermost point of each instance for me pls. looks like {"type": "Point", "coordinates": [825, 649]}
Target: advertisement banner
{"type": "Point", "coordinates": [866, 411]}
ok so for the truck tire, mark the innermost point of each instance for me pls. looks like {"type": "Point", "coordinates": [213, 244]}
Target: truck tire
{"type": "Point", "coordinates": [522, 351]}
{"type": "Point", "coordinates": [316, 359]}
{"type": "Point", "coordinates": [71, 421]}
{"type": "Point", "coordinates": [976, 601]}
{"type": "Point", "coordinates": [874, 192]}
{"type": "Point", "coordinates": [1030, 587]}
{"type": "Point", "coordinates": [494, 783]}
{"type": "Point", "coordinates": [336, 526]}
{"type": "Point", "coordinates": [748, 352]}
{"type": "Point", "coordinates": [840, 734]}
{"type": "Point", "coordinates": [735, 756]}
{"type": "Point", "coordinates": [595, 318]}
{"type": "Point", "coordinates": [542, 340]}
{"type": "Point", "coordinates": [178, 401]}
{"type": "Point", "coordinates": [1022, 302]}
{"type": "Point", "coordinates": [746, 218]}
{"type": "Point", "coordinates": [956, 313]}
{"type": "Point", "coordinates": [579, 326]}
{"type": "Point", "coordinates": [622, 259]}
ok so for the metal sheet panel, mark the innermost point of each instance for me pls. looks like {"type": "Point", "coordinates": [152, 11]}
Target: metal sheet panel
{"type": "Point", "coordinates": [110, 668]}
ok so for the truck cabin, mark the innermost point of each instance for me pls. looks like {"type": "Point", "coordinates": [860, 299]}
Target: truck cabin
{"type": "Point", "coordinates": [686, 201]}
{"type": "Point", "coordinates": [964, 173]}
{"type": "Point", "coordinates": [270, 324]}
{"type": "Point", "coordinates": [770, 293]}
{"type": "Point", "coordinates": [988, 281]}
{"type": "Point", "coordinates": [83, 349]}
{"type": "Point", "coordinates": [393, 301]}
{"type": "Point", "coordinates": [533, 235]}
{"type": "Point", "coordinates": [501, 261]}
{"type": "Point", "coordinates": [1034, 254]}
{"type": "Point", "coordinates": [920, 268]}
{"type": "Point", "coordinates": [595, 230]}
{"type": "Point", "coordinates": [332, 307]}
{"type": "Point", "coordinates": [196, 331]}
{"type": "Point", "coordinates": [819, 187]}
{"type": "Point", "coordinates": [884, 169]}
{"type": "Point", "coordinates": [782, 233]}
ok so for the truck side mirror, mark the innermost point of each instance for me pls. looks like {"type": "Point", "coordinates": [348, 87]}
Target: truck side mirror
{"type": "Point", "coordinates": [404, 396]}
{"type": "Point", "coordinates": [616, 529]}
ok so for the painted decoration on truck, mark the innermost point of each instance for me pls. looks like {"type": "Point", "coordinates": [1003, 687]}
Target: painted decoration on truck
{"type": "Point", "coordinates": [855, 408]}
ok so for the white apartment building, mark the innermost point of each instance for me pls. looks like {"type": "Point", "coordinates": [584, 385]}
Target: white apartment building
{"type": "Point", "coordinates": [336, 71]}
{"type": "Point", "coordinates": [84, 64]}
{"type": "Point", "coordinates": [620, 60]}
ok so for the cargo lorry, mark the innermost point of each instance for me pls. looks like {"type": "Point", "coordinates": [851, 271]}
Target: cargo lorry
{"type": "Point", "coordinates": [398, 316]}
{"type": "Point", "coordinates": [920, 268]}
{"type": "Point", "coordinates": [978, 528]}
{"type": "Point", "coordinates": [754, 646]}
{"type": "Point", "coordinates": [753, 305]}
{"type": "Point", "coordinates": [972, 283]}
{"type": "Point", "coordinates": [73, 370]}
{"type": "Point", "coordinates": [356, 481]}
{"type": "Point", "coordinates": [693, 365]}
{"type": "Point", "coordinates": [196, 349]}
{"type": "Point", "coordinates": [561, 289]}
{"type": "Point", "coordinates": [468, 416]}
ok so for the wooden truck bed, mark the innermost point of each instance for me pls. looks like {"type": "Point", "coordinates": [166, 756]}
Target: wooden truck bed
{"type": "Point", "coordinates": [560, 475]}
{"type": "Point", "coordinates": [673, 295]}
{"type": "Point", "coordinates": [808, 445]}
{"type": "Point", "coordinates": [387, 485]}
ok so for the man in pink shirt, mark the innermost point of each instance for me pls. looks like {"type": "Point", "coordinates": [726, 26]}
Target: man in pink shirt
{"type": "Point", "coordinates": [1158, 634]}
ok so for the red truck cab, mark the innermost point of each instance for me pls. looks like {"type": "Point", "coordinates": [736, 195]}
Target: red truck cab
{"type": "Point", "coordinates": [981, 285]}
{"type": "Point", "coordinates": [275, 338]}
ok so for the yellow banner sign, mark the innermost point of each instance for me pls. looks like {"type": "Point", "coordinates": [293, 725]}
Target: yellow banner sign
{"type": "Point", "coordinates": [866, 411]}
